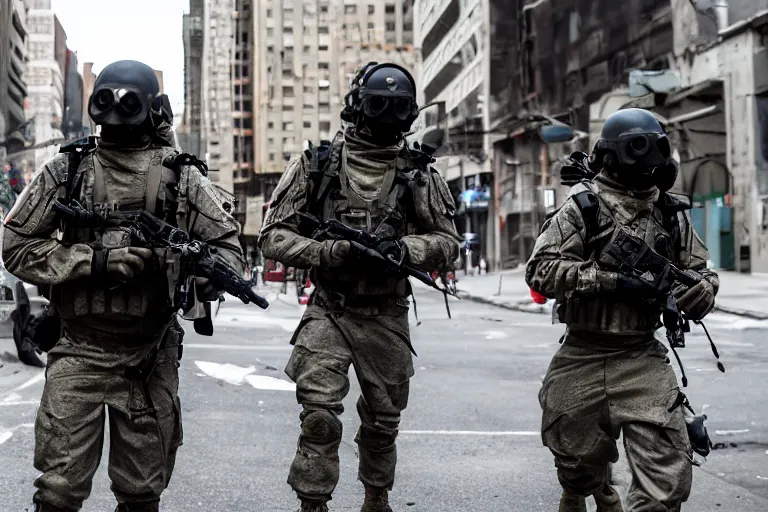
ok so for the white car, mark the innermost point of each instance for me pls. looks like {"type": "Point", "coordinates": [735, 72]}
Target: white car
{"type": "Point", "coordinates": [8, 303]}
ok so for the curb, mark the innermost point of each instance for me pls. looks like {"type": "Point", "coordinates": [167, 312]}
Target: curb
{"type": "Point", "coordinates": [528, 306]}
{"type": "Point", "coordinates": [525, 306]}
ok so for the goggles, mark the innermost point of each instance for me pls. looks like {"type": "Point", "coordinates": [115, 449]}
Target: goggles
{"type": "Point", "coordinates": [375, 105]}
{"type": "Point", "coordinates": [129, 101]}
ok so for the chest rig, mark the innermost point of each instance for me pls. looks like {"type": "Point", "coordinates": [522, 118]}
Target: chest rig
{"type": "Point", "coordinates": [151, 293]}
{"type": "Point", "coordinates": [660, 228]}
{"type": "Point", "coordinates": [387, 215]}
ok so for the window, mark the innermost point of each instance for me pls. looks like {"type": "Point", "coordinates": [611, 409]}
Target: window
{"type": "Point", "coordinates": [287, 73]}
{"type": "Point", "coordinates": [269, 13]}
{"type": "Point", "coordinates": [308, 106]}
{"type": "Point", "coordinates": [287, 30]}
{"type": "Point", "coordinates": [322, 30]}
{"type": "Point", "coordinates": [288, 92]}
{"type": "Point", "coordinates": [391, 26]}
{"type": "Point", "coordinates": [288, 12]}
{"type": "Point", "coordinates": [306, 48]}
{"type": "Point", "coordinates": [271, 157]}
{"type": "Point", "coordinates": [238, 123]}
{"type": "Point", "coordinates": [271, 126]}
{"type": "Point", "coordinates": [287, 141]}
{"type": "Point", "coordinates": [237, 90]}
{"type": "Point", "coordinates": [371, 9]}
{"type": "Point", "coordinates": [270, 32]}
{"type": "Point", "coordinates": [325, 126]}
{"type": "Point", "coordinates": [322, 65]}
{"type": "Point", "coordinates": [270, 49]}
{"type": "Point", "coordinates": [323, 47]}
{"type": "Point", "coordinates": [245, 70]}
{"type": "Point", "coordinates": [247, 106]}
{"type": "Point", "coordinates": [389, 9]}
{"type": "Point", "coordinates": [308, 89]}
{"type": "Point", "coordinates": [248, 124]}
{"type": "Point", "coordinates": [307, 124]}
{"type": "Point", "coordinates": [287, 108]}
{"type": "Point", "coordinates": [350, 9]}
{"type": "Point", "coordinates": [287, 156]}
{"type": "Point", "coordinates": [324, 9]}
{"type": "Point", "coordinates": [324, 107]}
{"type": "Point", "coordinates": [271, 141]}
{"type": "Point", "coordinates": [288, 126]}
{"type": "Point", "coordinates": [245, 38]}
{"type": "Point", "coordinates": [236, 106]}
{"type": "Point", "coordinates": [370, 25]}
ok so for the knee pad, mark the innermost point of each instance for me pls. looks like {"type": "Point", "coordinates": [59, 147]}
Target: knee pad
{"type": "Point", "coordinates": [581, 480]}
{"type": "Point", "coordinates": [321, 427]}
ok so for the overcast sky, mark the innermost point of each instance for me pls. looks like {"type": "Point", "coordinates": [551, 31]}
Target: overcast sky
{"type": "Point", "coordinates": [104, 31]}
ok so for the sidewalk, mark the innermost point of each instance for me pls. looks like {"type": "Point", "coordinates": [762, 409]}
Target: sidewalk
{"type": "Point", "coordinates": [744, 295]}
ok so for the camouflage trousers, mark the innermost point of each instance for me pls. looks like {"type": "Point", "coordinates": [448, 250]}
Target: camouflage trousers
{"type": "Point", "coordinates": [589, 397]}
{"type": "Point", "coordinates": [325, 345]}
{"type": "Point", "coordinates": [84, 377]}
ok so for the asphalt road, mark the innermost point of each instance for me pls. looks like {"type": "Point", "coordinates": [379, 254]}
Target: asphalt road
{"type": "Point", "coordinates": [469, 439]}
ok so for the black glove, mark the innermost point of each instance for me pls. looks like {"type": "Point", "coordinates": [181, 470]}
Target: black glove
{"type": "Point", "coordinates": [636, 287]}
{"type": "Point", "coordinates": [394, 250]}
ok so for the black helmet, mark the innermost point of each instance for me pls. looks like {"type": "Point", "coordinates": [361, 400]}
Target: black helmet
{"type": "Point", "coordinates": [123, 94]}
{"type": "Point", "coordinates": [634, 142]}
{"type": "Point", "coordinates": [380, 90]}
{"type": "Point", "coordinates": [634, 136]}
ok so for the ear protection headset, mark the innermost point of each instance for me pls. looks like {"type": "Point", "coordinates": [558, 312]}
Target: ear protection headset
{"type": "Point", "coordinates": [353, 101]}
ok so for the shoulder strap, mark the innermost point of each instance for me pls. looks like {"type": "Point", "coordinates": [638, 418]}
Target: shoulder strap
{"type": "Point", "coordinates": [324, 176]}
{"type": "Point", "coordinates": [154, 182]}
{"type": "Point", "coordinates": [589, 205]}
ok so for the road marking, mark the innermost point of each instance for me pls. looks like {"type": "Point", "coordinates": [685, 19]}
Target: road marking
{"type": "Point", "coordinates": [236, 375]}
{"type": "Point", "coordinates": [468, 433]}
{"type": "Point", "coordinates": [31, 382]}
{"type": "Point", "coordinates": [23, 402]}
{"type": "Point", "coordinates": [269, 383]}
{"type": "Point", "coordinates": [266, 348]}
{"type": "Point", "coordinates": [731, 432]}
{"type": "Point", "coordinates": [7, 434]}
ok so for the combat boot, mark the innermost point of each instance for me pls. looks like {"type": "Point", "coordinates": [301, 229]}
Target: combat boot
{"type": "Point", "coordinates": [313, 506]}
{"type": "Point", "coordinates": [147, 506]}
{"type": "Point", "coordinates": [45, 507]}
{"type": "Point", "coordinates": [608, 500]}
{"type": "Point", "coordinates": [376, 500]}
{"type": "Point", "coordinates": [572, 503]}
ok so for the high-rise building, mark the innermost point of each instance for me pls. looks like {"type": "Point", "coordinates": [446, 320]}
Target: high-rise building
{"type": "Point", "coordinates": [189, 133]}
{"type": "Point", "coordinates": [47, 53]}
{"type": "Point", "coordinates": [13, 89]}
{"type": "Point", "coordinates": [307, 53]}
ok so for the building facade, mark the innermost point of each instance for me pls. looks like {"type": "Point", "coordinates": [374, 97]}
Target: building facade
{"type": "Point", "coordinates": [46, 71]}
{"type": "Point", "coordinates": [453, 41]}
{"type": "Point", "coordinates": [13, 88]}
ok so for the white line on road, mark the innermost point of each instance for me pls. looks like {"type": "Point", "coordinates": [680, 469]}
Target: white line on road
{"type": "Point", "coordinates": [31, 382]}
{"type": "Point", "coordinates": [266, 348]}
{"type": "Point", "coordinates": [23, 402]}
{"type": "Point", "coordinates": [468, 433]}
{"type": "Point", "coordinates": [7, 434]}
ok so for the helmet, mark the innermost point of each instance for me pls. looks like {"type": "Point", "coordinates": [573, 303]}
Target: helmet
{"type": "Point", "coordinates": [634, 145]}
{"type": "Point", "coordinates": [379, 92]}
{"type": "Point", "coordinates": [123, 94]}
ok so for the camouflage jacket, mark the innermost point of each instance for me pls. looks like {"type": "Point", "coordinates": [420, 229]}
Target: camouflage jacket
{"type": "Point", "coordinates": [563, 265]}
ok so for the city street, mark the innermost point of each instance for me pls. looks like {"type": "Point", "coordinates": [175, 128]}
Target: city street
{"type": "Point", "coordinates": [469, 439]}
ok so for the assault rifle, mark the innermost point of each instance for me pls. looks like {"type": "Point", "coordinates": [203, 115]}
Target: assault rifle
{"type": "Point", "coordinates": [631, 254]}
{"type": "Point", "coordinates": [197, 258]}
{"type": "Point", "coordinates": [365, 244]}
{"type": "Point", "coordinates": [628, 253]}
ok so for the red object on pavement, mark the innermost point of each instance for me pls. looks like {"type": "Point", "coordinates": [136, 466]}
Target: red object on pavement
{"type": "Point", "coordinates": [538, 298]}
{"type": "Point", "coordinates": [304, 300]}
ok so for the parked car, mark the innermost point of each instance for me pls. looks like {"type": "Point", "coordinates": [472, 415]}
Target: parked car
{"type": "Point", "coordinates": [8, 304]}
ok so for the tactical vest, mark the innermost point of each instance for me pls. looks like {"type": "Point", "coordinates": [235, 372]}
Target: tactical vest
{"type": "Point", "coordinates": [387, 215]}
{"type": "Point", "coordinates": [148, 298]}
{"type": "Point", "coordinates": [661, 231]}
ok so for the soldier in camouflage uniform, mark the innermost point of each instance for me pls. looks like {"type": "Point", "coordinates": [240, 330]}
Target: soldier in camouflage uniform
{"type": "Point", "coordinates": [358, 314]}
{"type": "Point", "coordinates": [114, 300]}
{"type": "Point", "coordinates": [611, 375]}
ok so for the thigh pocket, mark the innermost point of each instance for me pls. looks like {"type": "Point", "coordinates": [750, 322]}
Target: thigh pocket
{"type": "Point", "coordinates": [578, 435]}
{"type": "Point", "coordinates": [52, 441]}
